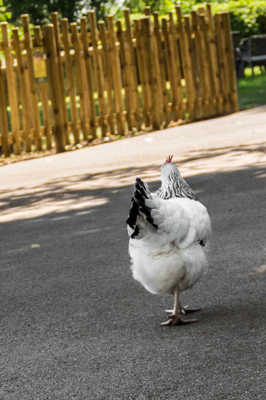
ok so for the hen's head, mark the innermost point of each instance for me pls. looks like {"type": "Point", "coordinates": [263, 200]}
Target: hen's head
{"type": "Point", "coordinates": [168, 170]}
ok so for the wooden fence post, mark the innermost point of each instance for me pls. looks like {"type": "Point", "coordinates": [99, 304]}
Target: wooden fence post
{"type": "Point", "coordinates": [186, 64]}
{"type": "Point", "coordinates": [33, 85]}
{"type": "Point", "coordinates": [12, 88]}
{"type": "Point", "coordinates": [132, 72]}
{"type": "Point", "coordinates": [90, 78]}
{"type": "Point", "coordinates": [124, 73]}
{"type": "Point", "coordinates": [198, 71]}
{"type": "Point", "coordinates": [208, 67]}
{"type": "Point", "coordinates": [157, 84]}
{"type": "Point", "coordinates": [81, 80]}
{"type": "Point", "coordinates": [55, 22]}
{"type": "Point", "coordinates": [3, 115]}
{"type": "Point", "coordinates": [108, 75]}
{"type": "Point", "coordinates": [222, 64]}
{"type": "Point", "coordinates": [146, 64]}
{"type": "Point", "coordinates": [44, 95]}
{"type": "Point", "coordinates": [70, 80]}
{"type": "Point", "coordinates": [141, 68]}
{"type": "Point", "coordinates": [99, 71]}
{"type": "Point", "coordinates": [27, 111]}
{"type": "Point", "coordinates": [152, 78]}
{"type": "Point", "coordinates": [231, 62]}
{"type": "Point", "coordinates": [116, 72]}
{"type": "Point", "coordinates": [214, 62]}
{"type": "Point", "coordinates": [176, 67]}
{"type": "Point", "coordinates": [55, 87]}
{"type": "Point", "coordinates": [163, 96]}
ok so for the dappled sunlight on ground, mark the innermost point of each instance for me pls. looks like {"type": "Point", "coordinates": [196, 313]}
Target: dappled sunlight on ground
{"type": "Point", "coordinates": [44, 207]}
{"type": "Point", "coordinates": [80, 193]}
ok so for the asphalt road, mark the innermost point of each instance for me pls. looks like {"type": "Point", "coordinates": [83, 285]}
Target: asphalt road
{"type": "Point", "coordinates": [73, 322]}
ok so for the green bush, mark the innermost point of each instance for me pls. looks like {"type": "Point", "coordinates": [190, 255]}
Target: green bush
{"type": "Point", "coordinates": [247, 16]}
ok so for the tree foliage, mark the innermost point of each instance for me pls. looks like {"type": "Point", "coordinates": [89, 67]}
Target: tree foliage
{"type": "Point", "coordinates": [4, 14]}
{"type": "Point", "coordinates": [40, 10]}
{"type": "Point", "coordinates": [137, 6]}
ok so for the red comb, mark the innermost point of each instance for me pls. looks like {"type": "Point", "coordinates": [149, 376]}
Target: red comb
{"type": "Point", "coordinates": [169, 159]}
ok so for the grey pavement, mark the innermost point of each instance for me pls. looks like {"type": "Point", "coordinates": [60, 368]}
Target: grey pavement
{"type": "Point", "coordinates": [73, 322]}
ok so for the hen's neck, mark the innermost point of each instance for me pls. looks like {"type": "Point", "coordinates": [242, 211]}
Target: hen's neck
{"type": "Point", "coordinates": [169, 189]}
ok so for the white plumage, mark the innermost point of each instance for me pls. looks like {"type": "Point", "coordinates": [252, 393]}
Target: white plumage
{"type": "Point", "coordinates": [168, 239]}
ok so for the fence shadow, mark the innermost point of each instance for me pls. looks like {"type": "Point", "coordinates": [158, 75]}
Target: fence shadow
{"type": "Point", "coordinates": [76, 190]}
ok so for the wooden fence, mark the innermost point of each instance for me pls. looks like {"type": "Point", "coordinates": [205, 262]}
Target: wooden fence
{"type": "Point", "coordinates": [62, 85]}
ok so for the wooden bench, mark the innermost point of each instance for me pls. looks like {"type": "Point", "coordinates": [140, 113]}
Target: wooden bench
{"type": "Point", "coordinates": [253, 51]}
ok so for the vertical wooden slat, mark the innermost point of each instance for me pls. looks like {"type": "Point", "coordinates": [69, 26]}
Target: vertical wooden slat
{"type": "Point", "coordinates": [28, 92]}
{"type": "Point", "coordinates": [226, 66]}
{"type": "Point", "coordinates": [147, 10]}
{"type": "Point", "coordinates": [209, 70]}
{"type": "Point", "coordinates": [162, 69]}
{"type": "Point", "coordinates": [12, 88]}
{"type": "Point", "coordinates": [108, 76]}
{"type": "Point", "coordinates": [133, 82]}
{"type": "Point", "coordinates": [55, 88]}
{"type": "Point", "coordinates": [184, 34]}
{"type": "Point", "coordinates": [99, 71]}
{"type": "Point", "coordinates": [141, 70]}
{"type": "Point", "coordinates": [220, 43]}
{"type": "Point", "coordinates": [116, 77]}
{"type": "Point", "coordinates": [124, 73]}
{"type": "Point", "coordinates": [80, 80]}
{"type": "Point", "coordinates": [214, 61]}
{"type": "Point", "coordinates": [44, 95]}
{"type": "Point", "coordinates": [206, 68]}
{"type": "Point", "coordinates": [90, 77]}
{"type": "Point", "coordinates": [176, 67]}
{"type": "Point", "coordinates": [229, 50]}
{"type": "Point", "coordinates": [55, 22]}
{"type": "Point", "coordinates": [33, 85]}
{"type": "Point", "coordinates": [191, 64]}
{"type": "Point", "coordinates": [43, 89]}
{"type": "Point", "coordinates": [3, 114]}
{"type": "Point", "coordinates": [70, 80]}
{"type": "Point", "coordinates": [151, 68]}
{"type": "Point", "coordinates": [198, 67]}
{"type": "Point", "coordinates": [24, 94]}
{"type": "Point", "coordinates": [156, 84]}
{"type": "Point", "coordinates": [171, 73]}
{"type": "Point", "coordinates": [37, 38]}
{"type": "Point", "coordinates": [146, 57]}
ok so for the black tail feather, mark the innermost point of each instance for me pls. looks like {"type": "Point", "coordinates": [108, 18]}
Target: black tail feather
{"type": "Point", "coordinates": [133, 213]}
{"type": "Point", "coordinates": [141, 193]}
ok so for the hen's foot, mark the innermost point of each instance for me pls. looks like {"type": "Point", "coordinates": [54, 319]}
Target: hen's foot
{"type": "Point", "coordinates": [177, 320]}
{"type": "Point", "coordinates": [184, 310]}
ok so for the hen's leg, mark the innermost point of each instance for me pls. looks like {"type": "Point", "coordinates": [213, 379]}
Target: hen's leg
{"type": "Point", "coordinates": [175, 316]}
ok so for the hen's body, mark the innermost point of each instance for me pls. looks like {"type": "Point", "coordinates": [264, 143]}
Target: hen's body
{"type": "Point", "coordinates": [167, 245]}
{"type": "Point", "coordinates": [170, 256]}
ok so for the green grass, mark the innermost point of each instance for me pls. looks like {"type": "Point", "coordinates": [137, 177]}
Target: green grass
{"type": "Point", "coordinates": [252, 89]}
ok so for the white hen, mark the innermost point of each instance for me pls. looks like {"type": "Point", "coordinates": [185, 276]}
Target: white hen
{"type": "Point", "coordinates": [169, 230]}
